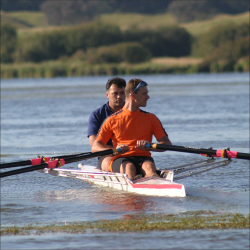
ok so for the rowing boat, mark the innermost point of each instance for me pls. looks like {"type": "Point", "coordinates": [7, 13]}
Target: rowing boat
{"type": "Point", "coordinates": [150, 185]}
{"type": "Point", "coordinates": [154, 185]}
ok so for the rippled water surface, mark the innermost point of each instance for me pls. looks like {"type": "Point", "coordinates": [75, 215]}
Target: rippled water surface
{"type": "Point", "coordinates": [50, 117]}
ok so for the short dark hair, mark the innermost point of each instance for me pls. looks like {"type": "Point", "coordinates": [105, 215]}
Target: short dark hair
{"type": "Point", "coordinates": [119, 82]}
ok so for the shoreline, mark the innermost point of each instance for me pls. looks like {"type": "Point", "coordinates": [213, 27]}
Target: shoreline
{"type": "Point", "coordinates": [68, 68]}
{"type": "Point", "coordinates": [139, 223]}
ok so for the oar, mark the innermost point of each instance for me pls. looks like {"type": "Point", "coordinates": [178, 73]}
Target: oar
{"type": "Point", "coordinates": [37, 161]}
{"type": "Point", "coordinates": [59, 162]}
{"type": "Point", "coordinates": [224, 153]}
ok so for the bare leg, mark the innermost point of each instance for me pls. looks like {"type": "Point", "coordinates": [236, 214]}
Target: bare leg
{"type": "Point", "coordinates": [105, 163]}
{"type": "Point", "coordinates": [148, 168]}
{"type": "Point", "coordinates": [129, 169]}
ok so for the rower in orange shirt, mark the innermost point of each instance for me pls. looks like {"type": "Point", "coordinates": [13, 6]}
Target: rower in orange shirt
{"type": "Point", "coordinates": [130, 129]}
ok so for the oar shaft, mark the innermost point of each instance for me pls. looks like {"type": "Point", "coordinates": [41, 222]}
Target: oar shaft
{"type": "Point", "coordinates": [23, 170]}
{"type": "Point", "coordinates": [244, 156]}
{"type": "Point", "coordinates": [15, 164]}
{"type": "Point", "coordinates": [38, 161]}
{"type": "Point", "coordinates": [225, 153]}
{"type": "Point", "coordinates": [69, 156]}
{"type": "Point", "coordinates": [184, 149]}
{"type": "Point", "coordinates": [89, 156]}
{"type": "Point", "coordinates": [60, 162]}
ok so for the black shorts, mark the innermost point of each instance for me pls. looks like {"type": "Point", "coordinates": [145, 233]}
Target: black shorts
{"type": "Point", "coordinates": [136, 160]}
{"type": "Point", "coordinates": [100, 159]}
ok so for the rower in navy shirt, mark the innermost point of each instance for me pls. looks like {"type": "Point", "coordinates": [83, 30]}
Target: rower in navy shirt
{"type": "Point", "coordinates": [115, 92]}
{"type": "Point", "coordinates": [96, 119]}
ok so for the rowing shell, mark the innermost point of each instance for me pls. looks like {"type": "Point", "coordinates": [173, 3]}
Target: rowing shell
{"type": "Point", "coordinates": [154, 185]}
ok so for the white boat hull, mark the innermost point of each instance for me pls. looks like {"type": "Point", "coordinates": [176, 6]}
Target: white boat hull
{"type": "Point", "coordinates": [154, 185]}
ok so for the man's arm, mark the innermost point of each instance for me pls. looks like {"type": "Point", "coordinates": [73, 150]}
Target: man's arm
{"type": "Point", "coordinates": [162, 140]}
{"type": "Point", "coordinates": [100, 146]}
{"type": "Point", "coordinates": [93, 126]}
{"type": "Point", "coordinates": [91, 140]}
{"type": "Point", "coordinates": [165, 140]}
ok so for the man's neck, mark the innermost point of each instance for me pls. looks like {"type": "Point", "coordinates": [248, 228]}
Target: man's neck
{"type": "Point", "coordinates": [115, 109]}
{"type": "Point", "coordinates": [131, 106]}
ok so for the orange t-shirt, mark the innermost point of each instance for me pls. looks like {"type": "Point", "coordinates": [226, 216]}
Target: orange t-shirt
{"type": "Point", "coordinates": [125, 127]}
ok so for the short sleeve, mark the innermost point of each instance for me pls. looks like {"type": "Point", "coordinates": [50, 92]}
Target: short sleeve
{"type": "Point", "coordinates": [94, 124]}
{"type": "Point", "coordinates": [158, 129]}
{"type": "Point", "coordinates": [105, 133]}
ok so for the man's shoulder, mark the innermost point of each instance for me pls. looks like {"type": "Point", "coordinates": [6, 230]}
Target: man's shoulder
{"type": "Point", "coordinates": [104, 110]}
{"type": "Point", "coordinates": [117, 113]}
{"type": "Point", "coordinates": [100, 109]}
{"type": "Point", "coordinates": [143, 112]}
{"type": "Point", "coordinates": [147, 115]}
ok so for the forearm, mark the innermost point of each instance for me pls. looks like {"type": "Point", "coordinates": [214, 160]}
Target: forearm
{"type": "Point", "coordinates": [99, 146]}
{"type": "Point", "coordinates": [91, 140]}
{"type": "Point", "coordinates": [163, 140]}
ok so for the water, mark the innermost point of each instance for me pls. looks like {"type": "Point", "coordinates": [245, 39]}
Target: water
{"type": "Point", "coordinates": [49, 117]}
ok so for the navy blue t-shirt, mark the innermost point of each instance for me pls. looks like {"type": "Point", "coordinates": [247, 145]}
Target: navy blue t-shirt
{"type": "Point", "coordinates": [96, 119]}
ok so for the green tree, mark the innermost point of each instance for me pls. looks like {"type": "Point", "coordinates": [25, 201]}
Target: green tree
{"type": "Point", "coordinates": [121, 52]}
{"type": "Point", "coordinates": [40, 47]}
{"type": "Point", "coordinates": [166, 41]}
{"type": "Point", "coordinates": [133, 52]}
{"type": "Point", "coordinates": [8, 43]}
{"type": "Point", "coordinates": [217, 36]}
{"type": "Point", "coordinates": [53, 45]}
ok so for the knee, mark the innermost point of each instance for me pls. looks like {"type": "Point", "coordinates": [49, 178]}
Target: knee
{"type": "Point", "coordinates": [105, 163]}
{"type": "Point", "coordinates": [127, 167]}
{"type": "Point", "coordinates": [149, 167]}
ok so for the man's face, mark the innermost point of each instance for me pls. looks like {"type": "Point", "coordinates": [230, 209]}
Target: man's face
{"type": "Point", "coordinates": [116, 96]}
{"type": "Point", "coordinates": [142, 96]}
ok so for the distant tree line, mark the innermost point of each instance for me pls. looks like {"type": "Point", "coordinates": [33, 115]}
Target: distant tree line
{"type": "Point", "coordinates": [99, 42]}
{"type": "Point", "coordinates": [190, 10]}
{"type": "Point", "coordinates": [65, 12]}
{"type": "Point", "coordinates": [223, 47]}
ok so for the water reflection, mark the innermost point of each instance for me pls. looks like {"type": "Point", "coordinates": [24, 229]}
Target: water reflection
{"type": "Point", "coordinates": [125, 202]}
{"type": "Point", "coordinates": [105, 198]}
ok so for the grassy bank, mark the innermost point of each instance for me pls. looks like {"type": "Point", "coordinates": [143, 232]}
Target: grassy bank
{"type": "Point", "coordinates": [57, 69]}
{"type": "Point", "coordinates": [80, 68]}
{"type": "Point", "coordinates": [140, 223]}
